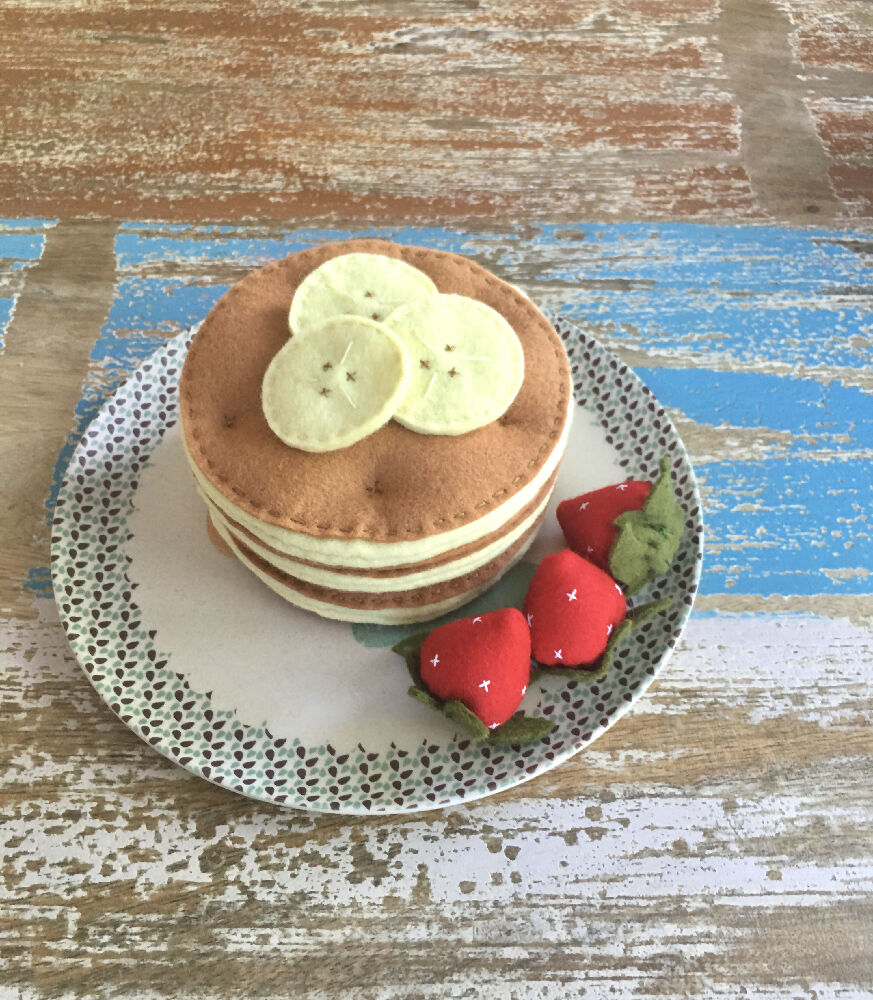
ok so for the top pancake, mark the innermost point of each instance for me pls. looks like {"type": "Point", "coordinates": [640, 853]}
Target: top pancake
{"type": "Point", "coordinates": [395, 484]}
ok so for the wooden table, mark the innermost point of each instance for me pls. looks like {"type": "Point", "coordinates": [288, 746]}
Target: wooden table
{"type": "Point", "coordinates": [650, 169]}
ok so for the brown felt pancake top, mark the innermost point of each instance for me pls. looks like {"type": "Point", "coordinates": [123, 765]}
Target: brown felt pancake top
{"type": "Point", "coordinates": [395, 484]}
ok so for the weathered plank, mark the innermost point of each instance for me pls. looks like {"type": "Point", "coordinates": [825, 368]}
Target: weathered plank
{"type": "Point", "coordinates": [713, 843]}
{"type": "Point", "coordinates": [48, 341]}
{"type": "Point", "coordinates": [180, 111]}
{"type": "Point", "coordinates": [758, 340]}
{"type": "Point", "coordinates": [715, 837]}
{"type": "Point", "coordinates": [21, 245]}
{"type": "Point", "coordinates": [685, 851]}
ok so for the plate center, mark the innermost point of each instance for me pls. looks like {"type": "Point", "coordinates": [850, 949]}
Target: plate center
{"type": "Point", "coordinates": [271, 664]}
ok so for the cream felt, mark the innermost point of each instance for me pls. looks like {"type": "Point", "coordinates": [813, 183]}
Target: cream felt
{"type": "Point", "coordinates": [372, 616]}
{"type": "Point", "coordinates": [467, 364]}
{"type": "Point", "coordinates": [335, 384]}
{"type": "Point", "coordinates": [387, 584]}
{"type": "Point", "coordinates": [356, 284]}
{"type": "Point", "coordinates": [359, 552]}
{"type": "Point", "coordinates": [366, 601]}
{"type": "Point", "coordinates": [401, 570]}
{"type": "Point", "coordinates": [212, 516]}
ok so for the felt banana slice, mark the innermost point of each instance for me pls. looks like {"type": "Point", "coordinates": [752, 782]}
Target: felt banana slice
{"type": "Point", "coordinates": [356, 284]}
{"type": "Point", "coordinates": [330, 387]}
{"type": "Point", "coordinates": [467, 364]}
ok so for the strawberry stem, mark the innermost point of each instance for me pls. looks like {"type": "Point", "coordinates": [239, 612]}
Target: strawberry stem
{"type": "Point", "coordinates": [648, 538]}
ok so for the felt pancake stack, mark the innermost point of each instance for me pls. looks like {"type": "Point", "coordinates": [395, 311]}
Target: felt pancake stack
{"type": "Point", "coordinates": [375, 429]}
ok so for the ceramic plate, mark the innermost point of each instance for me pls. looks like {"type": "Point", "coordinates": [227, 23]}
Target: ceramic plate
{"type": "Point", "coordinates": [218, 674]}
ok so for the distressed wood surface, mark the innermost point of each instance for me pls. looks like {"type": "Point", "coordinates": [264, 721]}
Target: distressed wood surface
{"type": "Point", "coordinates": [714, 843]}
{"type": "Point", "coordinates": [717, 836]}
{"type": "Point", "coordinates": [707, 109]}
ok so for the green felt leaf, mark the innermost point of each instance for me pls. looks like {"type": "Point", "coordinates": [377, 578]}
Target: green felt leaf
{"type": "Point", "coordinates": [598, 670]}
{"type": "Point", "coordinates": [424, 697]}
{"type": "Point", "coordinates": [411, 644]}
{"type": "Point", "coordinates": [645, 611]}
{"type": "Point", "coordinates": [410, 649]}
{"type": "Point", "coordinates": [521, 729]}
{"type": "Point", "coordinates": [462, 716]}
{"type": "Point", "coordinates": [608, 657]}
{"type": "Point", "coordinates": [648, 538]}
{"type": "Point", "coordinates": [569, 673]}
{"type": "Point", "coordinates": [586, 675]}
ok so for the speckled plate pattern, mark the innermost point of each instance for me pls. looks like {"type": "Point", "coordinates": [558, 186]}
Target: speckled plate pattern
{"type": "Point", "coordinates": [148, 686]}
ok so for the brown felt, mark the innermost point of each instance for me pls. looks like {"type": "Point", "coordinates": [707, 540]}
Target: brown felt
{"type": "Point", "coordinates": [419, 597]}
{"type": "Point", "coordinates": [396, 484]}
{"type": "Point", "coordinates": [242, 534]}
{"type": "Point", "coordinates": [216, 539]}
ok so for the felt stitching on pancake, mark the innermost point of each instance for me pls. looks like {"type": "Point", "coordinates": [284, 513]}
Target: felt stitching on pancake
{"type": "Point", "coordinates": [439, 495]}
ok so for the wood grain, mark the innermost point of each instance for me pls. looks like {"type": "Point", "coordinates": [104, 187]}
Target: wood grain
{"type": "Point", "coordinates": [713, 844]}
{"type": "Point", "coordinates": [716, 836]}
{"type": "Point", "coordinates": [685, 853]}
{"type": "Point", "coordinates": [48, 338]}
{"type": "Point", "coordinates": [191, 110]}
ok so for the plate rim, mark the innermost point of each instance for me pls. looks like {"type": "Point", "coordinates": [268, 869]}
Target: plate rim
{"type": "Point", "coordinates": [572, 333]}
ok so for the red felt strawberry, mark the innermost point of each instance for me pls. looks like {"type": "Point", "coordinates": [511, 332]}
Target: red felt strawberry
{"type": "Point", "coordinates": [483, 662]}
{"type": "Point", "coordinates": [588, 521]}
{"type": "Point", "coordinates": [572, 608]}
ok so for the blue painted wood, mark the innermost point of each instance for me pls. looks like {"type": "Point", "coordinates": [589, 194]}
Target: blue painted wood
{"type": "Point", "coordinates": [820, 415]}
{"type": "Point", "coordinates": [758, 334]}
{"type": "Point", "coordinates": [738, 296]}
{"type": "Point", "coordinates": [21, 245]}
{"type": "Point", "coordinates": [793, 520]}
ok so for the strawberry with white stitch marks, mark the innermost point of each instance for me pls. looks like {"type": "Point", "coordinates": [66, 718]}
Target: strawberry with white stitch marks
{"type": "Point", "coordinates": [483, 662]}
{"type": "Point", "coordinates": [631, 530]}
{"type": "Point", "coordinates": [588, 521]}
{"type": "Point", "coordinates": [572, 608]}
